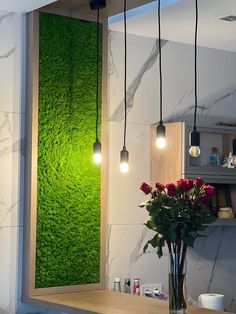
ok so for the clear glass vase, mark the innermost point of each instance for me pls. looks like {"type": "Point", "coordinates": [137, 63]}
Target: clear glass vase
{"type": "Point", "coordinates": [177, 284]}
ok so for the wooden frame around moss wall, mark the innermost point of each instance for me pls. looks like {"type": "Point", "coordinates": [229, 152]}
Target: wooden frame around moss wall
{"type": "Point", "coordinates": [30, 210]}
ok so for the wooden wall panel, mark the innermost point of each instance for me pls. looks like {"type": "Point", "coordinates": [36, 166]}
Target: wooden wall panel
{"type": "Point", "coordinates": [166, 164]}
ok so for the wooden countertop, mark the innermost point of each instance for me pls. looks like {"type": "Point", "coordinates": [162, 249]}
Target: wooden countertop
{"type": "Point", "coordinates": [106, 302]}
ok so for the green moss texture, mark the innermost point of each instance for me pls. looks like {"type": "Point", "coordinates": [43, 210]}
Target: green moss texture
{"type": "Point", "coordinates": [68, 210]}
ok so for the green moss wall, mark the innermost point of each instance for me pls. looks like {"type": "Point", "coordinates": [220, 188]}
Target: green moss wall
{"type": "Point", "coordinates": [68, 211]}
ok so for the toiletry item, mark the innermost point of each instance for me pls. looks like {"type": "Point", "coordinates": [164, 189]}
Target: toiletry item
{"type": "Point", "coordinates": [117, 286]}
{"type": "Point", "coordinates": [136, 286]}
{"type": "Point", "coordinates": [230, 160]}
{"type": "Point", "coordinates": [127, 285]}
{"type": "Point", "coordinates": [211, 301]}
{"type": "Point", "coordinates": [225, 212]}
{"type": "Point", "coordinates": [214, 158]}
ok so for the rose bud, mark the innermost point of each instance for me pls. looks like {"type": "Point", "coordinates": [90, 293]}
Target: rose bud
{"type": "Point", "coordinates": [171, 189]}
{"type": "Point", "coordinates": [203, 199]}
{"type": "Point", "coordinates": [199, 182]}
{"type": "Point", "coordinates": [185, 184]}
{"type": "Point", "coordinates": [160, 186]}
{"type": "Point", "coordinates": [209, 190]}
{"type": "Point", "coordinates": [146, 188]}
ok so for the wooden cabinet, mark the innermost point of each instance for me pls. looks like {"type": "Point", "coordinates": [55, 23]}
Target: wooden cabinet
{"type": "Point", "coordinates": [174, 162]}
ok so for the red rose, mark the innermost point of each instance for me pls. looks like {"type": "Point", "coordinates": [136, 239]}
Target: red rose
{"type": "Point", "coordinates": [203, 199]}
{"type": "Point", "coordinates": [209, 190]}
{"type": "Point", "coordinates": [199, 182]}
{"type": "Point", "coordinates": [160, 186]}
{"type": "Point", "coordinates": [186, 184]}
{"type": "Point", "coordinates": [171, 189]}
{"type": "Point", "coordinates": [146, 188]}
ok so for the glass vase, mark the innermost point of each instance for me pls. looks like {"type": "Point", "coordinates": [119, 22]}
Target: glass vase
{"type": "Point", "coordinates": [177, 284]}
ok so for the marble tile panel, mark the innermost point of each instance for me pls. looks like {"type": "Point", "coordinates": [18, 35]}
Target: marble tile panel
{"type": "Point", "coordinates": [127, 260]}
{"type": "Point", "coordinates": [11, 38]}
{"type": "Point", "coordinates": [140, 71]}
{"type": "Point", "coordinates": [124, 195]}
{"type": "Point", "coordinates": [11, 169]}
{"type": "Point", "coordinates": [9, 269]}
{"type": "Point", "coordinates": [211, 265]}
{"type": "Point", "coordinates": [216, 82]}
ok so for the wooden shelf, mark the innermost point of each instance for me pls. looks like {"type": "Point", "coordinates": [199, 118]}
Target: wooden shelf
{"type": "Point", "coordinates": [106, 302]}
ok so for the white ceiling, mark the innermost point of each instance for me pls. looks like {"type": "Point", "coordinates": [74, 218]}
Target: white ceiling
{"type": "Point", "coordinates": [178, 23]}
{"type": "Point", "coordinates": [23, 5]}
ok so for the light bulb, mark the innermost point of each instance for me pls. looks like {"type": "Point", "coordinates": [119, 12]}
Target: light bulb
{"type": "Point", "coordinates": [124, 160]}
{"type": "Point", "coordinates": [124, 167]}
{"type": "Point", "coordinates": [97, 152]}
{"type": "Point", "coordinates": [161, 135]}
{"type": "Point", "coordinates": [194, 142]}
{"type": "Point", "coordinates": [97, 158]}
{"type": "Point", "coordinates": [194, 151]}
{"type": "Point", "coordinates": [161, 142]}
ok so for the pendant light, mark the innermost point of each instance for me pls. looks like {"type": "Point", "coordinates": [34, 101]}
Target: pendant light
{"type": "Point", "coordinates": [124, 154]}
{"type": "Point", "coordinates": [194, 136]}
{"type": "Point", "coordinates": [161, 130]}
{"type": "Point", "coordinates": [97, 147]}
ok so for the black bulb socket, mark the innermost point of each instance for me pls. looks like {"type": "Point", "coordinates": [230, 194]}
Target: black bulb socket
{"type": "Point", "coordinates": [124, 155]}
{"type": "Point", "coordinates": [97, 4]}
{"type": "Point", "coordinates": [97, 147]}
{"type": "Point", "coordinates": [194, 138]}
{"type": "Point", "coordinates": [161, 130]}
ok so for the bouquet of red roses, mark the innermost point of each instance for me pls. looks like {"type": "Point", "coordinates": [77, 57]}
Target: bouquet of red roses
{"type": "Point", "coordinates": [178, 212]}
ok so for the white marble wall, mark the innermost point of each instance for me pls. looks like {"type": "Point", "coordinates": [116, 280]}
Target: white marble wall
{"type": "Point", "coordinates": [12, 115]}
{"type": "Point", "coordinates": [211, 262]}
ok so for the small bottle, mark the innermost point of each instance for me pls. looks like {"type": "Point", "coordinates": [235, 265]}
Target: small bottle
{"type": "Point", "coordinates": [214, 157]}
{"type": "Point", "coordinates": [136, 286]}
{"type": "Point", "coordinates": [230, 160]}
{"type": "Point", "coordinates": [127, 288]}
{"type": "Point", "coordinates": [117, 286]}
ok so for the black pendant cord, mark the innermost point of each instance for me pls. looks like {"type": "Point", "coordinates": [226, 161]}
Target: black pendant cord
{"type": "Point", "coordinates": [195, 65]}
{"type": "Point", "coordinates": [97, 91]}
{"type": "Point", "coordinates": [160, 60]}
{"type": "Point", "coordinates": [125, 72]}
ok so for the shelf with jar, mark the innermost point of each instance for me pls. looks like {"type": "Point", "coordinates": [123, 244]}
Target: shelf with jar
{"type": "Point", "coordinates": [216, 163]}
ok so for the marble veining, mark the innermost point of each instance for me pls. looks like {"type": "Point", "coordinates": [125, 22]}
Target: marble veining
{"type": "Point", "coordinates": [231, 93]}
{"type": "Point", "coordinates": [213, 271]}
{"type": "Point", "coordinates": [118, 115]}
{"type": "Point", "coordinates": [232, 305]}
{"type": "Point", "coordinates": [6, 210]}
{"type": "Point", "coordinates": [6, 16]}
{"type": "Point", "coordinates": [6, 123]}
{"type": "Point", "coordinates": [14, 147]}
{"type": "Point", "coordinates": [109, 260]}
{"type": "Point", "coordinates": [8, 146]}
{"type": "Point", "coordinates": [137, 253]}
{"type": "Point", "coordinates": [112, 66]}
{"type": "Point", "coordinates": [206, 107]}
{"type": "Point", "coordinates": [199, 263]}
{"type": "Point", "coordinates": [12, 50]}
{"type": "Point", "coordinates": [8, 54]}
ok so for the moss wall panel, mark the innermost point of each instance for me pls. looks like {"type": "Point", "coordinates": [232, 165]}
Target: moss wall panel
{"type": "Point", "coordinates": [68, 212]}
